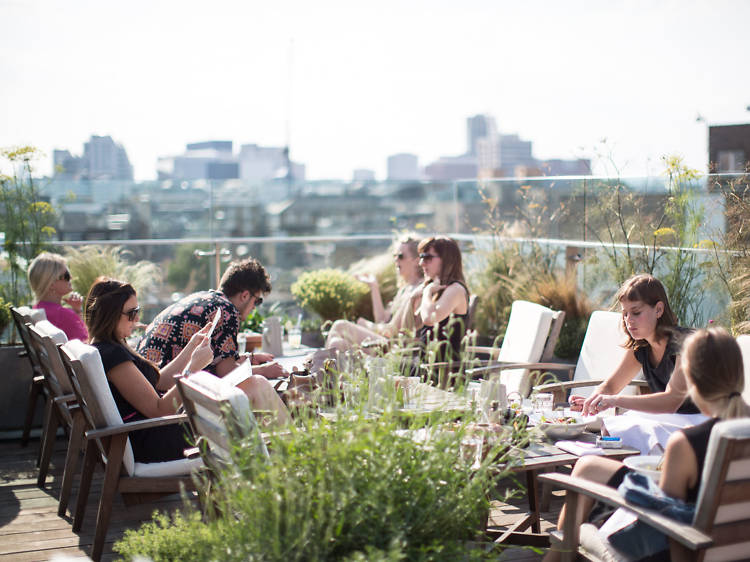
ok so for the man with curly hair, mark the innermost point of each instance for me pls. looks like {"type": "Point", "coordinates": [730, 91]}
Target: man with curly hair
{"type": "Point", "coordinates": [241, 289]}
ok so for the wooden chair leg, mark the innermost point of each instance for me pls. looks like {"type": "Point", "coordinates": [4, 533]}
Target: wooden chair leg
{"type": "Point", "coordinates": [571, 529]}
{"type": "Point", "coordinates": [34, 391]}
{"type": "Point", "coordinates": [49, 435]}
{"type": "Point", "coordinates": [109, 487]}
{"type": "Point", "coordinates": [87, 473]}
{"type": "Point", "coordinates": [71, 460]}
{"type": "Point", "coordinates": [49, 415]}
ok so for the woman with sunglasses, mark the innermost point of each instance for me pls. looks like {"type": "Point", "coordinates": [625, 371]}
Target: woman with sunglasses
{"type": "Point", "coordinates": [140, 389]}
{"type": "Point", "coordinates": [398, 317]}
{"type": "Point", "coordinates": [444, 304]}
{"type": "Point", "coordinates": [49, 279]}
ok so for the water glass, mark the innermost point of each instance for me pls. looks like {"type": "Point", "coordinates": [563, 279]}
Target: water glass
{"type": "Point", "coordinates": [241, 343]}
{"type": "Point", "coordinates": [294, 337]}
{"type": "Point", "coordinates": [543, 402]}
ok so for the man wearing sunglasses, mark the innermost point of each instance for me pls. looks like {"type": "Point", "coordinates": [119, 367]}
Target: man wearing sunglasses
{"type": "Point", "coordinates": [241, 289]}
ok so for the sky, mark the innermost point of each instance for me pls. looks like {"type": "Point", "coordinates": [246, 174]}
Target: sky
{"type": "Point", "coordinates": [348, 83]}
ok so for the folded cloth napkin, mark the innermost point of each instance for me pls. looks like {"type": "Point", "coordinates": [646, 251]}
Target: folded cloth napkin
{"type": "Point", "coordinates": [579, 448]}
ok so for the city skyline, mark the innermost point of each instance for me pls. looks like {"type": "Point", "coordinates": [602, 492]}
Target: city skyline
{"type": "Point", "coordinates": [351, 83]}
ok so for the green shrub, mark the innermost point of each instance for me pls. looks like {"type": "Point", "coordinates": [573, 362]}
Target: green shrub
{"type": "Point", "coordinates": [5, 314]}
{"type": "Point", "coordinates": [348, 490]}
{"type": "Point", "coordinates": [330, 293]}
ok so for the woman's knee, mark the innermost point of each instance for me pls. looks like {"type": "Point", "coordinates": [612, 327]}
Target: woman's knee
{"type": "Point", "coordinates": [596, 469]}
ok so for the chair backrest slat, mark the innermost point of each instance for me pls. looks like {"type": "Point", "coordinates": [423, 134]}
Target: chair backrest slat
{"type": "Point", "coordinates": [45, 337]}
{"type": "Point", "coordinates": [723, 506]}
{"type": "Point", "coordinates": [22, 316]}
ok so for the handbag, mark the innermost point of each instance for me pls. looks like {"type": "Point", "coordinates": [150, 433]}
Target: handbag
{"type": "Point", "coordinates": [638, 540]}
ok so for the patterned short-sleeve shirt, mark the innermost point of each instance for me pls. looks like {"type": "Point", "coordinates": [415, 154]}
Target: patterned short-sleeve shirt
{"type": "Point", "coordinates": [172, 328]}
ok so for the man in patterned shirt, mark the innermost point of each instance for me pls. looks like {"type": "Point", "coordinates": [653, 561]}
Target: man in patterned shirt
{"type": "Point", "coordinates": [241, 289]}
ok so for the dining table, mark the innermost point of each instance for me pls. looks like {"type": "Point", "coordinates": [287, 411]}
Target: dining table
{"type": "Point", "coordinates": [538, 457]}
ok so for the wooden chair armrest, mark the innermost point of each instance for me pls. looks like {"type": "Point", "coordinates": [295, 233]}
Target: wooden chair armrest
{"type": "Point", "coordinates": [492, 367]}
{"type": "Point", "coordinates": [136, 426]}
{"type": "Point", "coordinates": [683, 533]}
{"type": "Point", "coordinates": [560, 386]}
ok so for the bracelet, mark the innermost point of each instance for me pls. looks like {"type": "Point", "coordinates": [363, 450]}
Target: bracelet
{"type": "Point", "coordinates": [186, 371]}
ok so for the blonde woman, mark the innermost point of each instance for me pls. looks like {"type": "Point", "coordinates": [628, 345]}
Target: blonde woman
{"type": "Point", "coordinates": [50, 279]}
{"type": "Point", "coordinates": [389, 321]}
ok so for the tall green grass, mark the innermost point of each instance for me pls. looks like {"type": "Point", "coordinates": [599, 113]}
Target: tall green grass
{"type": "Point", "coordinates": [359, 488]}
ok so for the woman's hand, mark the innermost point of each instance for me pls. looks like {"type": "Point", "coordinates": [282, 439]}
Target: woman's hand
{"type": "Point", "coordinates": [74, 300]}
{"type": "Point", "coordinates": [203, 354]}
{"type": "Point", "coordinates": [367, 278]}
{"type": "Point", "coordinates": [198, 337]}
{"type": "Point", "coordinates": [598, 402]}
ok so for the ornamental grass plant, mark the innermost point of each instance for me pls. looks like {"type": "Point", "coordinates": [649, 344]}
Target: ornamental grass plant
{"type": "Point", "coordinates": [371, 485]}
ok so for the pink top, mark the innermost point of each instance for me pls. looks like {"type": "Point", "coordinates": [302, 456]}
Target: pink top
{"type": "Point", "coordinates": [65, 319]}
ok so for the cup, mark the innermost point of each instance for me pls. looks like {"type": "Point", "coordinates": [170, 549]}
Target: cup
{"type": "Point", "coordinates": [241, 343]}
{"type": "Point", "coordinates": [294, 337]}
{"type": "Point", "coordinates": [543, 402]}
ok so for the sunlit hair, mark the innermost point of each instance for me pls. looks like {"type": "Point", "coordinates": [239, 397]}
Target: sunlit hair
{"type": "Point", "coordinates": [245, 275]}
{"type": "Point", "coordinates": [104, 305]}
{"type": "Point", "coordinates": [712, 362]}
{"type": "Point", "coordinates": [451, 270]}
{"type": "Point", "coordinates": [411, 241]}
{"type": "Point", "coordinates": [44, 270]}
{"type": "Point", "coordinates": [648, 290]}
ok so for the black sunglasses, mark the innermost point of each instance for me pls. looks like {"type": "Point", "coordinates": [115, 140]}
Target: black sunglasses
{"type": "Point", "coordinates": [258, 301]}
{"type": "Point", "coordinates": [399, 256]}
{"type": "Point", "coordinates": [426, 257]}
{"type": "Point", "coordinates": [133, 313]}
{"type": "Point", "coordinates": [65, 276]}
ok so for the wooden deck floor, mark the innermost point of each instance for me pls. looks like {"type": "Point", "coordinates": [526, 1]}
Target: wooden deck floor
{"type": "Point", "coordinates": [30, 528]}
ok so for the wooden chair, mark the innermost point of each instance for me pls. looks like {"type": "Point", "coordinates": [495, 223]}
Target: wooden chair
{"type": "Point", "coordinates": [218, 412]}
{"type": "Point", "coordinates": [23, 316]}
{"type": "Point", "coordinates": [106, 442]}
{"type": "Point", "coordinates": [530, 337]}
{"type": "Point", "coordinates": [60, 398]}
{"type": "Point", "coordinates": [721, 526]}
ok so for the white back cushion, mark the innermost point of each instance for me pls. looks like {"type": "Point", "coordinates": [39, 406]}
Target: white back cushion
{"type": "Point", "coordinates": [744, 343]}
{"type": "Point", "coordinates": [602, 349]}
{"type": "Point", "coordinates": [32, 315]}
{"type": "Point", "coordinates": [528, 328]}
{"type": "Point", "coordinates": [92, 364]}
{"type": "Point", "coordinates": [58, 337]}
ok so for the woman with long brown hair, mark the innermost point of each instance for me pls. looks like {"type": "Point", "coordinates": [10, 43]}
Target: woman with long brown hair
{"type": "Point", "coordinates": [140, 389]}
{"type": "Point", "coordinates": [444, 305]}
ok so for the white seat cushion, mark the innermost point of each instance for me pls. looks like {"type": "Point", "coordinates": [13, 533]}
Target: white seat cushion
{"type": "Point", "coordinates": [179, 467]}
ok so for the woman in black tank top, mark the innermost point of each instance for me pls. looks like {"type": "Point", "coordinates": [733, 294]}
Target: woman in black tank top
{"type": "Point", "coordinates": [444, 304]}
{"type": "Point", "coordinates": [712, 363]}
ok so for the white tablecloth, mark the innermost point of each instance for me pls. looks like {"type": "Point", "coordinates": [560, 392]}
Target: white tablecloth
{"type": "Point", "coordinates": [648, 432]}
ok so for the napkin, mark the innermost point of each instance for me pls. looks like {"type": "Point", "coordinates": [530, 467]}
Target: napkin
{"type": "Point", "coordinates": [579, 448]}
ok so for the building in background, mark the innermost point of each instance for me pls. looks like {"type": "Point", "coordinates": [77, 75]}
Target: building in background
{"type": "Point", "coordinates": [103, 159]}
{"type": "Point", "coordinates": [216, 160]}
{"type": "Point", "coordinates": [403, 167]}
{"type": "Point", "coordinates": [363, 174]}
{"type": "Point", "coordinates": [728, 148]}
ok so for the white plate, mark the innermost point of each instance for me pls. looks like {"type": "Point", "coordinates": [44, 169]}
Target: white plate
{"type": "Point", "coordinates": [645, 464]}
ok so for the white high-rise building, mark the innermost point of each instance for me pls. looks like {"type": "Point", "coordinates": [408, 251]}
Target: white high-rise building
{"type": "Point", "coordinates": [403, 167]}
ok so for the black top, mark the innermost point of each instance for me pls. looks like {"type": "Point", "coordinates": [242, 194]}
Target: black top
{"type": "Point", "coordinates": [155, 444]}
{"type": "Point", "coordinates": [450, 333]}
{"type": "Point", "coordinates": [657, 376]}
{"type": "Point", "coordinates": [697, 436]}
